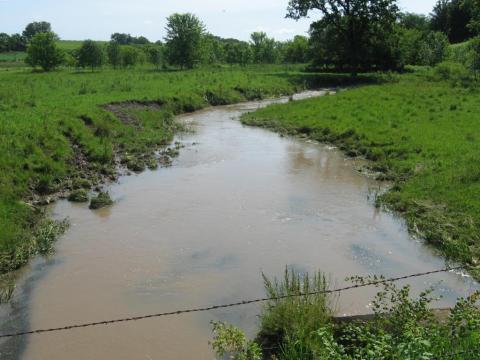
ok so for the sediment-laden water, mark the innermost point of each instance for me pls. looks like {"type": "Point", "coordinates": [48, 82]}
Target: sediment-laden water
{"type": "Point", "coordinates": [237, 202]}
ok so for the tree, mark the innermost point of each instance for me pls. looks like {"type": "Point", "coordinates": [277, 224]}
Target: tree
{"type": "Point", "coordinates": [129, 56]}
{"type": "Point", "coordinates": [4, 42]}
{"type": "Point", "coordinates": [184, 39]}
{"type": "Point", "coordinates": [440, 16]}
{"type": "Point", "coordinates": [237, 52]}
{"type": "Point", "coordinates": [212, 49]}
{"type": "Point", "coordinates": [34, 28]}
{"type": "Point", "coordinates": [360, 28]}
{"type": "Point", "coordinates": [296, 50]}
{"type": "Point", "coordinates": [90, 55]}
{"type": "Point", "coordinates": [17, 42]}
{"type": "Point", "coordinates": [127, 39]}
{"type": "Point", "coordinates": [411, 40]}
{"type": "Point", "coordinates": [122, 39]}
{"type": "Point", "coordinates": [155, 56]}
{"type": "Point", "coordinates": [42, 51]}
{"type": "Point", "coordinates": [264, 48]}
{"type": "Point", "coordinates": [414, 21]}
{"type": "Point", "coordinates": [454, 18]}
{"type": "Point", "coordinates": [114, 55]}
{"type": "Point", "coordinates": [141, 40]}
{"type": "Point", "coordinates": [433, 48]}
{"type": "Point", "coordinates": [474, 24]}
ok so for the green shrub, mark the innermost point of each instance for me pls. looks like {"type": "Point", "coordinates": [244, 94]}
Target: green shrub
{"type": "Point", "coordinates": [232, 342]}
{"type": "Point", "coordinates": [456, 73]}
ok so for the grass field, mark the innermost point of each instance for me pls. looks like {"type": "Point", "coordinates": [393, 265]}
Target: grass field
{"type": "Point", "coordinates": [55, 132]}
{"type": "Point", "coordinates": [69, 45]}
{"type": "Point", "coordinates": [422, 134]}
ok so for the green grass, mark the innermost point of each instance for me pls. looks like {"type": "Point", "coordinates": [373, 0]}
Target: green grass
{"type": "Point", "coordinates": [69, 45]}
{"type": "Point", "coordinates": [299, 324]}
{"type": "Point", "coordinates": [55, 131]}
{"type": "Point", "coordinates": [422, 134]}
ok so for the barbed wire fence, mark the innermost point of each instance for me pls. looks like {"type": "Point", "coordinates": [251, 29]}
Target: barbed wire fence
{"type": "Point", "coordinates": [375, 282]}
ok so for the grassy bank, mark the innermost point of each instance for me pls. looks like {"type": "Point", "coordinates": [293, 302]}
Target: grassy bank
{"type": "Point", "coordinates": [302, 326]}
{"type": "Point", "coordinates": [65, 131]}
{"type": "Point", "coordinates": [421, 131]}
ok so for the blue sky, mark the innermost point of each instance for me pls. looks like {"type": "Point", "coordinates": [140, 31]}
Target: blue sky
{"type": "Point", "coordinates": [97, 19]}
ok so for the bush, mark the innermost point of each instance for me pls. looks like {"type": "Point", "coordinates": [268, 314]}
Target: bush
{"type": "Point", "coordinates": [231, 341]}
{"type": "Point", "coordinates": [454, 72]}
{"type": "Point", "coordinates": [433, 49]}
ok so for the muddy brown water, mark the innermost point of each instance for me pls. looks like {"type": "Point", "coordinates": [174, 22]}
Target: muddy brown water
{"type": "Point", "coordinates": [236, 202]}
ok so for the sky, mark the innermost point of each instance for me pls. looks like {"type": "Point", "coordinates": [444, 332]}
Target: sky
{"type": "Point", "coordinates": [97, 19]}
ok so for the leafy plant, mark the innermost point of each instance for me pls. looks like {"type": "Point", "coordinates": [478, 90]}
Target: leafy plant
{"type": "Point", "coordinates": [231, 342]}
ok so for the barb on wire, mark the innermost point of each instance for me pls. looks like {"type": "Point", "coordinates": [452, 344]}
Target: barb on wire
{"type": "Point", "coordinates": [224, 306]}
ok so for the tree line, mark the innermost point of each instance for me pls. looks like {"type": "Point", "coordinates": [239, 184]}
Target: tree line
{"type": "Point", "coordinates": [365, 35]}
{"type": "Point", "coordinates": [186, 44]}
{"type": "Point", "coordinates": [354, 35]}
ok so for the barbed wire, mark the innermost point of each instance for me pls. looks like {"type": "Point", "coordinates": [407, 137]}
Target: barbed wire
{"type": "Point", "coordinates": [224, 306]}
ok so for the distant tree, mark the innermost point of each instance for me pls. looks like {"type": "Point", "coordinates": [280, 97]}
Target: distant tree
{"type": "Point", "coordinates": [129, 56]}
{"type": "Point", "coordinates": [155, 56]}
{"type": "Point", "coordinates": [264, 48]}
{"type": "Point", "coordinates": [127, 39]}
{"type": "Point", "coordinates": [411, 40]}
{"type": "Point", "coordinates": [43, 51]}
{"type": "Point", "coordinates": [141, 40]}
{"type": "Point", "coordinates": [36, 27]}
{"type": "Point", "coordinates": [90, 55]}
{"type": "Point", "coordinates": [440, 16]}
{"type": "Point", "coordinates": [433, 49]}
{"type": "Point", "coordinates": [4, 42]}
{"type": "Point", "coordinates": [212, 49]}
{"type": "Point", "coordinates": [460, 17]}
{"type": "Point", "coordinates": [414, 21]}
{"type": "Point", "coordinates": [245, 54]}
{"type": "Point", "coordinates": [474, 24]}
{"type": "Point", "coordinates": [296, 50]}
{"type": "Point", "coordinates": [237, 52]}
{"type": "Point", "coordinates": [114, 55]}
{"type": "Point", "coordinates": [454, 18]}
{"type": "Point", "coordinates": [17, 43]}
{"type": "Point", "coordinates": [184, 39]}
{"type": "Point", "coordinates": [359, 32]}
{"type": "Point", "coordinates": [122, 39]}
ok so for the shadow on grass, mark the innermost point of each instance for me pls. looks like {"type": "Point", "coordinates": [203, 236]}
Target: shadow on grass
{"type": "Point", "coordinates": [317, 80]}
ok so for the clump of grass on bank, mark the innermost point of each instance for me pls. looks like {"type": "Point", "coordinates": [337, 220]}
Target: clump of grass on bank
{"type": "Point", "coordinates": [401, 327]}
{"type": "Point", "coordinates": [102, 200]}
{"type": "Point", "coordinates": [422, 134]}
{"type": "Point", "coordinates": [78, 196]}
{"type": "Point", "coordinates": [293, 315]}
{"type": "Point", "coordinates": [56, 128]}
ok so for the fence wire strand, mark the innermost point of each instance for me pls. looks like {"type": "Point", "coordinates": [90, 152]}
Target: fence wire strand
{"type": "Point", "coordinates": [223, 306]}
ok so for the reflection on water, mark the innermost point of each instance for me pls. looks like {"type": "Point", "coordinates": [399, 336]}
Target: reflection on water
{"type": "Point", "coordinates": [238, 201]}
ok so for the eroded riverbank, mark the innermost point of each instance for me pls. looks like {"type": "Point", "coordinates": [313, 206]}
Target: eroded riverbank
{"type": "Point", "coordinates": [236, 202]}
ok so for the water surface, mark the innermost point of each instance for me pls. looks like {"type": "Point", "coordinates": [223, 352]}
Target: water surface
{"type": "Point", "coordinates": [237, 202]}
